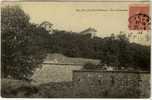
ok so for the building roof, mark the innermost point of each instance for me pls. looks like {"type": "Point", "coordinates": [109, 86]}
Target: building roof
{"type": "Point", "coordinates": [88, 30]}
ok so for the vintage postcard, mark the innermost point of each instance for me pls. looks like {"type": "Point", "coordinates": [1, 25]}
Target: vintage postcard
{"type": "Point", "coordinates": [75, 49]}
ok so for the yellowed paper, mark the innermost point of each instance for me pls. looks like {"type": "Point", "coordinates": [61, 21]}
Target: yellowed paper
{"type": "Point", "coordinates": [76, 49]}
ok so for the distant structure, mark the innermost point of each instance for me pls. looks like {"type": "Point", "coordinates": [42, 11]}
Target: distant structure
{"type": "Point", "coordinates": [141, 38]}
{"type": "Point", "coordinates": [48, 26]}
{"type": "Point", "coordinates": [90, 31]}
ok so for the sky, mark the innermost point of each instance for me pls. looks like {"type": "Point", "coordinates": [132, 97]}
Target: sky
{"type": "Point", "coordinates": [65, 16]}
{"type": "Point", "coordinates": [105, 17]}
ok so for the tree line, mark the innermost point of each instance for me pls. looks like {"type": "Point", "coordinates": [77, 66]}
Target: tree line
{"type": "Point", "coordinates": [115, 50]}
{"type": "Point", "coordinates": [25, 45]}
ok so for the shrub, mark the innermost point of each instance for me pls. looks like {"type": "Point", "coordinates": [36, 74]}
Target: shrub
{"type": "Point", "coordinates": [90, 66]}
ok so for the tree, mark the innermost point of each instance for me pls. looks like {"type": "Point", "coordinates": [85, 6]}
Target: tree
{"type": "Point", "coordinates": [22, 51]}
{"type": "Point", "coordinates": [115, 51]}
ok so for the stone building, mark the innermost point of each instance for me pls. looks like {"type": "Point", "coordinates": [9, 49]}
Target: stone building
{"type": "Point", "coordinates": [48, 26]}
{"type": "Point", "coordinates": [58, 68]}
{"type": "Point", "coordinates": [90, 31]}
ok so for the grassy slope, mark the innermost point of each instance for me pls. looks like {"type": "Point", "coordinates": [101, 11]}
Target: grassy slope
{"type": "Point", "coordinates": [16, 88]}
{"type": "Point", "coordinates": [59, 58]}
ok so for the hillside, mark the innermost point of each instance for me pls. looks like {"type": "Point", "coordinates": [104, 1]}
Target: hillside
{"type": "Point", "coordinates": [62, 59]}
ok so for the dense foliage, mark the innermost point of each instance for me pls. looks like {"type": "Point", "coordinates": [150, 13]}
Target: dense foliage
{"type": "Point", "coordinates": [114, 51]}
{"type": "Point", "coordinates": [24, 46]}
{"type": "Point", "coordinates": [22, 43]}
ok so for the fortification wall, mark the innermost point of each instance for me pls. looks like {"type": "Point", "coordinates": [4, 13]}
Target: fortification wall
{"type": "Point", "coordinates": [109, 84]}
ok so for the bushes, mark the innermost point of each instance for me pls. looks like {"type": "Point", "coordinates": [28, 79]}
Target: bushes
{"type": "Point", "coordinates": [90, 66]}
{"type": "Point", "coordinates": [17, 88]}
{"type": "Point", "coordinates": [22, 89]}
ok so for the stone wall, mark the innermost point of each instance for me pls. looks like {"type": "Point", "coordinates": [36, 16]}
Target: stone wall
{"type": "Point", "coordinates": [54, 73]}
{"type": "Point", "coordinates": [111, 84]}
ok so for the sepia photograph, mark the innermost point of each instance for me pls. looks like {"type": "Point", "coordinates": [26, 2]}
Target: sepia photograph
{"type": "Point", "coordinates": [69, 49]}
